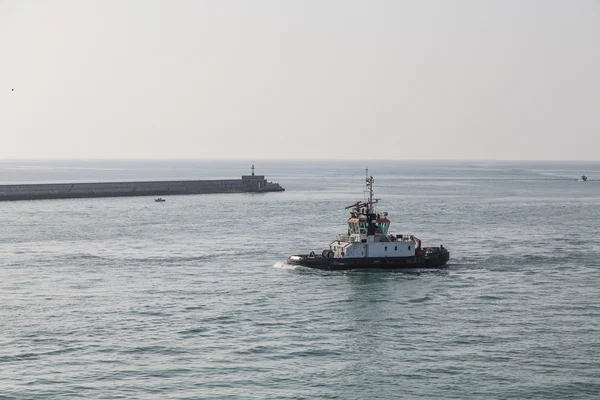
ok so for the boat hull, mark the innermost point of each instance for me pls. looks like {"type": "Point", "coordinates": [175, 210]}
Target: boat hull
{"type": "Point", "coordinates": [430, 258]}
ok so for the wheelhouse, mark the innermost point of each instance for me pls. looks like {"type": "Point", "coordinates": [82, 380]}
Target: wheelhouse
{"type": "Point", "coordinates": [360, 226]}
{"type": "Point", "coordinates": [357, 226]}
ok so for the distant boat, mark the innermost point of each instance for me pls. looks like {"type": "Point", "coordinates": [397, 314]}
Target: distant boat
{"type": "Point", "coordinates": [159, 200]}
{"type": "Point", "coordinates": [583, 178]}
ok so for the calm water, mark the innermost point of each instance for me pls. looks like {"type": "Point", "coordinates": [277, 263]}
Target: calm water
{"type": "Point", "coordinates": [189, 299]}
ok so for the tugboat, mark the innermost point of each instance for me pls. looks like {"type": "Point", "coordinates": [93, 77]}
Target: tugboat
{"type": "Point", "coordinates": [367, 245]}
{"type": "Point", "coordinates": [159, 200]}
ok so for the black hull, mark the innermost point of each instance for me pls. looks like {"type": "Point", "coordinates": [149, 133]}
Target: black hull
{"type": "Point", "coordinates": [431, 258]}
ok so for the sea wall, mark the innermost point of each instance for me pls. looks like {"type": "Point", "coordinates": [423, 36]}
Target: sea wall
{"type": "Point", "coordinates": [117, 189]}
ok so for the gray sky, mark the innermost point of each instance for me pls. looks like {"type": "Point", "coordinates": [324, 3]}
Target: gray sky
{"type": "Point", "coordinates": [300, 79]}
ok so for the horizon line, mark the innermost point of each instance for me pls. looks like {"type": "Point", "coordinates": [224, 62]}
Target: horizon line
{"type": "Point", "coordinates": [302, 159]}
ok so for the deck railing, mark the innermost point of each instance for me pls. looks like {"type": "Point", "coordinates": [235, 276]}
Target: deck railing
{"type": "Point", "coordinates": [393, 238]}
{"type": "Point", "coordinates": [345, 238]}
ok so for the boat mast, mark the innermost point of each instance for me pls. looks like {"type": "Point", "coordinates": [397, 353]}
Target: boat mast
{"type": "Point", "coordinates": [369, 180]}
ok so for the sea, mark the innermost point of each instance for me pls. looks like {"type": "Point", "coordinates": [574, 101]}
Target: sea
{"type": "Point", "coordinates": [126, 298]}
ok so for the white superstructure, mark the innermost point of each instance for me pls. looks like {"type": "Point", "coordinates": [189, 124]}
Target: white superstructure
{"type": "Point", "coordinates": [368, 235]}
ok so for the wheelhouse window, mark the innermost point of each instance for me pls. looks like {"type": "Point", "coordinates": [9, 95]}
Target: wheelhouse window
{"type": "Point", "coordinates": [353, 228]}
{"type": "Point", "coordinates": [383, 227]}
{"type": "Point", "coordinates": [350, 228]}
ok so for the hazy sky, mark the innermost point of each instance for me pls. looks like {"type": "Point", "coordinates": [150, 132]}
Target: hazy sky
{"type": "Point", "coordinates": [300, 79]}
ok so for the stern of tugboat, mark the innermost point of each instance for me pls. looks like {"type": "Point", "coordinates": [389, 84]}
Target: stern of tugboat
{"type": "Point", "coordinates": [435, 256]}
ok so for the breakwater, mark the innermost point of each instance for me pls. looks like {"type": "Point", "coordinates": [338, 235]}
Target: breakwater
{"type": "Point", "coordinates": [248, 183]}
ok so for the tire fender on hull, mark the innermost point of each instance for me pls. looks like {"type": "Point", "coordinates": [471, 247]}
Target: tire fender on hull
{"type": "Point", "coordinates": [327, 254]}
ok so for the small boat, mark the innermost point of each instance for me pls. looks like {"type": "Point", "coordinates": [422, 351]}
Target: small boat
{"type": "Point", "coordinates": [583, 178]}
{"type": "Point", "coordinates": [368, 245]}
{"type": "Point", "coordinates": [159, 200]}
